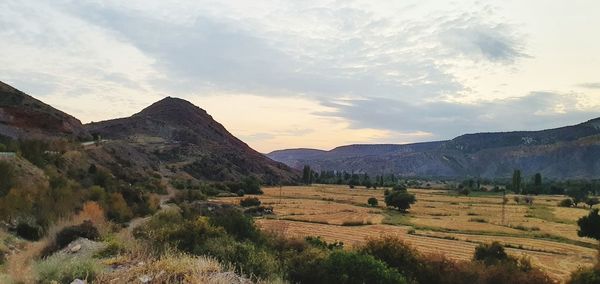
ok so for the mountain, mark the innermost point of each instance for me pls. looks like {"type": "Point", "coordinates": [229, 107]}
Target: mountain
{"type": "Point", "coordinates": [22, 116]}
{"type": "Point", "coordinates": [185, 138]}
{"type": "Point", "coordinates": [561, 153]}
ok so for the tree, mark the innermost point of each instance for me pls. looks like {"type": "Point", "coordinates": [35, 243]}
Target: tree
{"type": "Point", "coordinates": [307, 175]}
{"type": "Point", "coordinates": [490, 254]}
{"type": "Point", "coordinates": [516, 181]}
{"type": "Point", "coordinates": [589, 226]}
{"type": "Point", "coordinates": [578, 194]}
{"type": "Point", "coordinates": [7, 177]}
{"type": "Point", "coordinates": [537, 184]}
{"type": "Point", "coordinates": [592, 201]}
{"type": "Point", "coordinates": [250, 201]}
{"type": "Point", "coordinates": [372, 202]}
{"type": "Point", "coordinates": [400, 199]}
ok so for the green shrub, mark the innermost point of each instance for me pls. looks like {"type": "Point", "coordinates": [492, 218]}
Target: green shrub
{"type": "Point", "coordinates": [490, 253]}
{"type": "Point", "coordinates": [83, 230]}
{"type": "Point", "coordinates": [168, 229]}
{"type": "Point", "coordinates": [236, 224]}
{"type": "Point", "coordinates": [585, 276]}
{"type": "Point", "coordinates": [259, 211]}
{"type": "Point", "coordinates": [306, 266]}
{"type": "Point", "coordinates": [394, 252]}
{"type": "Point", "coordinates": [250, 201]}
{"type": "Point", "coordinates": [113, 247]}
{"type": "Point", "coordinates": [399, 187]}
{"type": "Point", "coordinates": [189, 195]}
{"type": "Point", "coordinates": [68, 234]}
{"type": "Point", "coordinates": [64, 271]}
{"type": "Point", "coordinates": [354, 267]}
{"type": "Point", "coordinates": [372, 202]}
{"type": "Point", "coordinates": [7, 177]}
{"type": "Point", "coordinates": [567, 202]}
{"type": "Point", "coordinates": [320, 243]}
{"type": "Point", "coordinates": [246, 257]}
{"type": "Point", "coordinates": [29, 230]}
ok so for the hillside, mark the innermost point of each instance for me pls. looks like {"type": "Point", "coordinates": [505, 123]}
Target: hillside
{"type": "Point", "coordinates": [185, 138]}
{"type": "Point", "coordinates": [22, 116]}
{"type": "Point", "coordinates": [566, 152]}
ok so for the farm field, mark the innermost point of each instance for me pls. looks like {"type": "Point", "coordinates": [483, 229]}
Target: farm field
{"type": "Point", "coordinates": [439, 222]}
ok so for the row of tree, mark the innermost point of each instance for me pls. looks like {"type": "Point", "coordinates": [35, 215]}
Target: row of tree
{"type": "Point", "coordinates": [309, 176]}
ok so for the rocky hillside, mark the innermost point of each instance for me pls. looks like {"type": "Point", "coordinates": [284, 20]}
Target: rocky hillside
{"type": "Point", "coordinates": [566, 152]}
{"type": "Point", "coordinates": [183, 137]}
{"type": "Point", "coordinates": [22, 116]}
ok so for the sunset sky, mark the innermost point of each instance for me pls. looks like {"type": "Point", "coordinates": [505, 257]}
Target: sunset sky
{"type": "Point", "coordinates": [317, 74]}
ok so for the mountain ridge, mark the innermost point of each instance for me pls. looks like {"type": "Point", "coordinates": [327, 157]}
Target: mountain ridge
{"type": "Point", "coordinates": [25, 117]}
{"type": "Point", "coordinates": [488, 154]}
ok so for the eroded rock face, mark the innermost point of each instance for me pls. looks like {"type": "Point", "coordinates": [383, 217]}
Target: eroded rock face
{"type": "Point", "coordinates": [22, 116]}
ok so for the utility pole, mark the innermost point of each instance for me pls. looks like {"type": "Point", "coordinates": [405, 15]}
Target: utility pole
{"type": "Point", "coordinates": [503, 204]}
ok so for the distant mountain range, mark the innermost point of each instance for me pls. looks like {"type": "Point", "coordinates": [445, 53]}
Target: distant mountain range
{"type": "Point", "coordinates": [562, 153]}
{"type": "Point", "coordinates": [171, 133]}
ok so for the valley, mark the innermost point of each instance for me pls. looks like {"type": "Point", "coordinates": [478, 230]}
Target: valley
{"type": "Point", "coordinates": [440, 222]}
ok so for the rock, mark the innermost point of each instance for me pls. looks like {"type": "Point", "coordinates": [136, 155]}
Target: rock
{"type": "Point", "coordinates": [145, 279]}
{"type": "Point", "coordinates": [79, 281]}
{"type": "Point", "coordinates": [75, 248]}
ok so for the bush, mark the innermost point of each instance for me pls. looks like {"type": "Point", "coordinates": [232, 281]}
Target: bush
{"type": "Point", "coordinates": [118, 210]}
{"type": "Point", "coordinates": [400, 199]}
{"type": "Point", "coordinates": [567, 202]}
{"type": "Point", "coordinates": [189, 195]}
{"type": "Point", "coordinates": [589, 226]}
{"type": "Point", "coordinates": [354, 267]}
{"type": "Point", "coordinates": [306, 266]}
{"type": "Point", "coordinates": [68, 234]}
{"type": "Point", "coordinates": [7, 177]}
{"type": "Point", "coordinates": [490, 253]}
{"type": "Point", "coordinates": [399, 187]}
{"type": "Point", "coordinates": [319, 243]}
{"type": "Point", "coordinates": [250, 201]}
{"type": "Point", "coordinates": [394, 252]}
{"type": "Point", "coordinates": [372, 202]}
{"type": "Point", "coordinates": [29, 230]}
{"type": "Point", "coordinates": [240, 192]}
{"type": "Point", "coordinates": [585, 276]}
{"type": "Point", "coordinates": [592, 201]}
{"type": "Point", "coordinates": [259, 210]}
{"type": "Point", "coordinates": [236, 224]}
{"type": "Point", "coordinates": [168, 229]}
{"type": "Point", "coordinates": [55, 269]}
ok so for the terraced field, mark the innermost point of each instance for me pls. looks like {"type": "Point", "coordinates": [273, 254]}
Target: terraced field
{"type": "Point", "coordinates": [440, 222]}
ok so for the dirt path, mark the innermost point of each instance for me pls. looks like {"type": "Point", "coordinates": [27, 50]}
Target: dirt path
{"type": "Point", "coordinates": [163, 205]}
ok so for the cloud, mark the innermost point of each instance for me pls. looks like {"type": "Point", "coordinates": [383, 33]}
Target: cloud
{"type": "Point", "coordinates": [349, 52]}
{"type": "Point", "coordinates": [594, 85]}
{"type": "Point", "coordinates": [396, 70]}
{"type": "Point", "coordinates": [480, 40]}
{"type": "Point", "coordinates": [445, 120]}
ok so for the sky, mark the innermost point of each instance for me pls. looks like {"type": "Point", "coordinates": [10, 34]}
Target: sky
{"type": "Point", "coordinates": [313, 74]}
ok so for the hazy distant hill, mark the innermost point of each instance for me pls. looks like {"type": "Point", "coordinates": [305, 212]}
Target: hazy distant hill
{"type": "Point", "coordinates": [22, 116]}
{"type": "Point", "coordinates": [185, 138]}
{"type": "Point", "coordinates": [566, 152]}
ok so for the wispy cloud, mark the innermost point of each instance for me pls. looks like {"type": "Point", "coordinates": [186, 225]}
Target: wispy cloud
{"type": "Point", "coordinates": [394, 67]}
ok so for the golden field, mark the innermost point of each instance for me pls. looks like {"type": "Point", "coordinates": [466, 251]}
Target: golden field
{"type": "Point", "coordinates": [439, 222]}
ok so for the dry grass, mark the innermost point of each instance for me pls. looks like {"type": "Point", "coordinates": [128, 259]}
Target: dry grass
{"type": "Point", "coordinates": [442, 222]}
{"type": "Point", "coordinates": [20, 265]}
{"type": "Point", "coordinates": [173, 268]}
